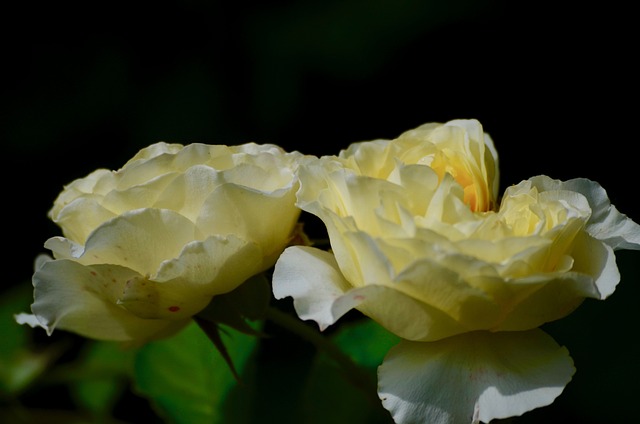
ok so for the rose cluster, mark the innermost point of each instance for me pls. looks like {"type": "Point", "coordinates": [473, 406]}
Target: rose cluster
{"type": "Point", "coordinates": [421, 241]}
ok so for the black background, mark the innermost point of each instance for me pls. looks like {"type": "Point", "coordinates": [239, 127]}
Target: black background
{"type": "Point", "coordinates": [86, 86]}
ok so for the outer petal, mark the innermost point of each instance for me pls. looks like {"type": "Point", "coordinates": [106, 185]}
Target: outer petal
{"type": "Point", "coordinates": [553, 297]}
{"type": "Point", "coordinates": [606, 223]}
{"type": "Point", "coordinates": [29, 319]}
{"type": "Point", "coordinates": [473, 377]}
{"type": "Point", "coordinates": [185, 285]}
{"type": "Point", "coordinates": [97, 182]}
{"type": "Point", "coordinates": [81, 299]}
{"type": "Point", "coordinates": [312, 277]}
{"type": "Point", "coordinates": [81, 216]}
{"type": "Point", "coordinates": [139, 239]}
{"type": "Point", "coordinates": [597, 259]}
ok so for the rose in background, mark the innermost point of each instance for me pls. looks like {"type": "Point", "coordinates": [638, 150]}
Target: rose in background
{"type": "Point", "coordinates": [420, 245]}
{"type": "Point", "coordinates": [146, 247]}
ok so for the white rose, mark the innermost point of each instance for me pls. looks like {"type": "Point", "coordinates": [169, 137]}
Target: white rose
{"type": "Point", "coordinates": [148, 246]}
{"type": "Point", "coordinates": [419, 245]}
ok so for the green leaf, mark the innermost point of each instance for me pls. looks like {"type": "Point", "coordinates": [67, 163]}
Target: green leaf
{"type": "Point", "coordinates": [14, 335]}
{"type": "Point", "coordinates": [213, 331]}
{"type": "Point", "coordinates": [187, 379]}
{"type": "Point", "coordinates": [19, 365]}
{"type": "Point", "coordinates": [366, 342]}
{"type": "Point", "coordinates": [106, 369]}
{"type": "Point", "coordinates": [332, 398]}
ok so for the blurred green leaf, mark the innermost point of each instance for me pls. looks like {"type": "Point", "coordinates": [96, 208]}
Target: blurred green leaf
{"type": "Point", "coordinates": [330, 397]}
{"type": "Point", "coordinates": [21, 370]}
{"type": "Point", "coordinates": [19, 366]}
{"type": "Point", "coordinates": [366, 342]}
{"type": "Point", "coordinates": [14, 336]}
{"type": "Point", "coordinates": [106, 369]}
{"type": "Point", "coordinates": [188, 380]}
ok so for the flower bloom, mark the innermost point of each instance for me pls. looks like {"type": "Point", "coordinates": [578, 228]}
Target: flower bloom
{"type": "Point", "coordinates": [420, 246]}
{"type": "Point", "coordinates": [148, 246]}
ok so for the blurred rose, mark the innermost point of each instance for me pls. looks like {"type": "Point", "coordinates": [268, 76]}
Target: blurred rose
{"type": "Point", "coordinates": [418, 246]}
{"type": "Point", "coordinates": [148, 246]}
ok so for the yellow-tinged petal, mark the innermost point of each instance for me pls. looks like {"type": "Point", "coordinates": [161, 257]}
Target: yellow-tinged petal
{"type": "Point", "coordinates": [252, 215]}
{"type": "Point", "coordinates": [81, 216]}
{"type": "Point", "coordinates": [184, 286]}
{"type": "Point", "coordinates": [140, 196]}
{"type": "Point", "coordinates": [97, 183]}
{"type": "Point", "coordinates": [139, 240]}
{"type": "Point", "coordinates": [190, 222]}
{"type": "Point", "coordinates": [312, 277]}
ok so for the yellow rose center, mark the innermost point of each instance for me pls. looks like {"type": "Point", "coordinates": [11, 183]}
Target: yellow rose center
{"type": "Point", "coordinates": [457, 167]}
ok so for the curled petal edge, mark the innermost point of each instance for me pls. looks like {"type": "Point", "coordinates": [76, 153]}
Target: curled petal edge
{"type": "Point", "coordinates": [321, 294]}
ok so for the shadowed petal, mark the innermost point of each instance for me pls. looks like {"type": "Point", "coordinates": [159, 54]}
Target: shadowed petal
{"type": "Point", "coordinates": [185, 285]}
{"type": "Point", "coordinates": [78, 298]}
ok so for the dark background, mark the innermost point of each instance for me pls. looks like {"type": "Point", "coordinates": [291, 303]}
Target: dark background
{"type": "Point", "coordinates": [88, 85]}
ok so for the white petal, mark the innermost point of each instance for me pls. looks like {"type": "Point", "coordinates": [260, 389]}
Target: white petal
{"type": "Point", "coordinates": [312, 277]}
{"type": "Point", "coordinates": [606, 223]}
{"type": "Point", "coordinates": [597, 259]}
{"type": "Point", "coordinates": [28, 319]}
{"type": "Point", "coordinates": [63, 248]}
{"type": "Point", "coordinates": [473, 377]}
{"type": "Point", "coordinates": [81, 299]}
{"type": "Point", "coordinates": [320, 293]}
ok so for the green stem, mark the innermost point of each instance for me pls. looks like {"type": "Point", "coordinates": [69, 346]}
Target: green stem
{"type": "Point", "coordinates": [351, 371]}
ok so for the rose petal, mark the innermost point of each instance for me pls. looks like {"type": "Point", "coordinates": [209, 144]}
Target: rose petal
{"type": "Point", "coordinates": [268, 218]}
{"type": "Point", "coordinates": [473, 377]}
{"type": "Point", "coordinates": [606, 223]}
{"type": "Point", "coordinates": [139, 196]}
{"type": "Point", "coordinates": [312, 277]}
{"type": "Point", "coordinates": [28, 319]}
{"type": "Point", "coordinates": [597, 259]}
{"type": "Point", "coordinates": [139, 239]}
{"type": "Point", "coordinates": [187, 191]}
{"type": "Point", "coordinates": [81, 299]}
{"type": "Point", "coordinates": [185, 285]}
{"type": "Point", "coordinates": [229, 259]}
{"type": "Point", "coordinates": [553, 297]}
{"type": "Point", "coordinates": [82, 216]}
{"type": "Point", "coordinates": [63, 248]}
{"type": "Point", "coordinates": [320, 293]}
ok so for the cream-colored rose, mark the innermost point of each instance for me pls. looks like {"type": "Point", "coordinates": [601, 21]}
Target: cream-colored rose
{"type": "Point", "coordinates": [419, 245]}
{"type": "Point", "coordinates": [420, 251]}
{"type": "Point", "coordinates": [148, 246]}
